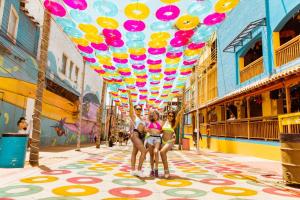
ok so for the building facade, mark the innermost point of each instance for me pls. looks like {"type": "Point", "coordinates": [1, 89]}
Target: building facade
{"type": "Point", "coordinates": [66, 74]}
{"type": "Point", "coordinates": [258, 66]}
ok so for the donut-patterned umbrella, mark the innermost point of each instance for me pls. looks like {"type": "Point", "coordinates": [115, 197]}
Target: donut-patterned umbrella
{"type": "Point", "coordinates": [148, 47]}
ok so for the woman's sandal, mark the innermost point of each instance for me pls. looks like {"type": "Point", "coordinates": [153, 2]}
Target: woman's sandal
{"type": "Point", "coordinates": [167, 174]}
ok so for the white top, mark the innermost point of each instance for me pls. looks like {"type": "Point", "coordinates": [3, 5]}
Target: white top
{"type": "Point", "coordinates": [138, 121]}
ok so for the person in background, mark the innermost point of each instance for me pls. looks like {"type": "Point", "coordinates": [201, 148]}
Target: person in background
{"type": "Point", "coordinates": [22, 126]}
{"type": "Point", "coordinates": [232, 117]}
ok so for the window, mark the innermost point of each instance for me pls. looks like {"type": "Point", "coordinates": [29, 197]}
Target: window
{"type": "Point", "coordinates": [76, 74]}
{"type": "Point", "coordinates": [13, 22]}
{"type": "Point", "coordinates": [291, 29]}
{"type": "Point", "coordinates": [64, 64]}
{"type": "Point", "coordinates": [71, 70]}
{"type": "Point", "coordinates": [253, 53]}
{"type": "Point", "coordinates": [1, 10]}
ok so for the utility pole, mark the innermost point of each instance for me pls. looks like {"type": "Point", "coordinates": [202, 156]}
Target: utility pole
{"type": "Point", "coordinates": [182, 123]}
{"type": "Point", "coordinates": [100, 114]}
{"type": "Point", "coordinates": [36, 133]}
{"type": "Point", "coordinates": [80, 108]}
{"type": "Point", "coordinates": [197, 110]}
{"type": "Point", "coordinates": [109, 123]}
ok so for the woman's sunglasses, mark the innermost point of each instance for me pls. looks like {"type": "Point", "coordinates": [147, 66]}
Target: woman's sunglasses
{"type": "Point", "coordinates": [138, 109]}
{"type": "Point", "coordinates": [171, 115]}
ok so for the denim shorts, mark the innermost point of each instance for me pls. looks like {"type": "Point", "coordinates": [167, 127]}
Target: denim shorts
{"type": "Point", "coordinates": [152, 140]}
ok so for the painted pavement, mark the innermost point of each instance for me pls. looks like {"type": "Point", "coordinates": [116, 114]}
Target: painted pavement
{"type": "Point", "coordinates": [106, 176]}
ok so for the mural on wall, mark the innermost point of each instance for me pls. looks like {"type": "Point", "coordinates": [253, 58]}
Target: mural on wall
{"type": "Point", "coordinates": [60, 127]}
{"type": "Point", "coordinates": [89, 126]}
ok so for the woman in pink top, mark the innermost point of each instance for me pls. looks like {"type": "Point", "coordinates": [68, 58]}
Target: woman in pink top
{"type": "Point", "coordinates": [153, 142]}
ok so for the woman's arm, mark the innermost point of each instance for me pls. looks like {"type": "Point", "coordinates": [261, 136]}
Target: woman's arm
{"type": "Point", "coordinates": [131, 114]}
{"type": "Point", "coordinates": [178, 116]}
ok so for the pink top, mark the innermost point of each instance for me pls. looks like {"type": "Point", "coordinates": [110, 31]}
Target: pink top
{"type": "Point", "coordinates": [155, 125]}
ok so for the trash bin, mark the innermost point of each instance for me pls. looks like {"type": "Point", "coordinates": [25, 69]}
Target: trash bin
{"type": "Point", "coordinates": [290, 151]}
{"type": "Point", "coordinates": [13, 150]}
{"type": "Point", "coordinates": [186, 144]}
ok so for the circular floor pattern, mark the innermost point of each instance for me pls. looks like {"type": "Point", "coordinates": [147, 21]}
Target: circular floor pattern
{"type": "Point", "coordinates": [130, 192]}
{"type": "Point", "coordinates": [75, 190]}
{"type": "Point", "coordinates": [72, 166]}
{"type": "Point", "coordinates": [280, 192]}
{"type": "Point", "coordinates": [129, 182]}
{"type": "Point", "coordinates": [91, 173]}
{"type": "Point", "coordinates": [239, 177]}
{"type": "Point", "coordinates": [59, 198]}
{"type": "Point", "coordinates": [56, 172]}
{"type": "Point", "coordinates": [217, 181]}
{"type": "Point", "coordinates": [234, 191]}
{"type": "Point", "coordinates": [123, 175]}
{"type": "Point", "coordinates": [225, 171]}
{"type": "Point", "coordinates": [255, 183]}
{"type": "Point", "coordinates": [201, 176]}
{"type": "Point", "coordinates": [39, 179]}
{"type": "Point", "coordinates": [101, 169]}
{"type": "Point", "coordinates": [116, 198]}
{"type": "Point", "coordinates": [18, 190]}
{"type": "Point", "coordinates": [174, 183]}
{"type": "Point", "coordinates": [84, 180]}
{"type": "Point", "coordinates": [272, 176]}
{"type": "Point", "coordinates": [185, 192]}
{"type": "Point", "coordinates": [195, 171]}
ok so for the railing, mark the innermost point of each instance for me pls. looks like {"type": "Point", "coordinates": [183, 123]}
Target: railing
{"type": "Point", "coordinates": [288, 51]}
{"type": "Point", "coordinates": [253, 69]}
{"type": "Point", "coordinates": [213, 55]}
{"type": "Point", "coordinates": [264, 128]}
{"type": "Point", "coordinates": [254, 128]}
{"type": "Point", "coordinates": [289, 123]}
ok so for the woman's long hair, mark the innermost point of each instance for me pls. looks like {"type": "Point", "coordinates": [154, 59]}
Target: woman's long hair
{"type": "Point", "coordinates": [151, 115]}
{"type": "Point", "coordinates": [174, 117]}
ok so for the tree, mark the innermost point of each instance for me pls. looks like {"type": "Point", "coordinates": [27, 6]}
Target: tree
{"type": "Point", "coordinates": [35, 141]}
{"type": "Point", "coordinates": [100, 114]}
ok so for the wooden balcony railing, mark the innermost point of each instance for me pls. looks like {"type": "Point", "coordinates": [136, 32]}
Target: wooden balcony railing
{"type": "Point", "coordinates": [259, 128]}
{"type": "Point", "coordinates": [213, 55]}
{"type": "Point", "coordinates": [288, 51]}
{"type": "Point", "coordinates": [253, 69]}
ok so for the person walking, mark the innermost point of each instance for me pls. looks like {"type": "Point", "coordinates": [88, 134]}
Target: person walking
{"type": "Point", "coordinates": [137, 137]}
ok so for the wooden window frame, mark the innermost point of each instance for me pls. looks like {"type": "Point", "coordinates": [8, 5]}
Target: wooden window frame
{"type": "Point", "coordinates": [62, 64]}
{"type": "Point", "coordinates": [14, 35]}
{"type": "Point", "coordinates": [71, 67]}
{"type": "Point", "coordinates": [2, 4]}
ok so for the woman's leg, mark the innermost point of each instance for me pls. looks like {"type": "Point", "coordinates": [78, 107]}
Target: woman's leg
{"type": "Point", "coordinates": [139, 145]}
{"type": "Point", "coordinates": [163, 153]}
{"type": "Point", "coordinates": [151, 152]}
{"type": "Point", "coordinates": [134, 152]}
{"type": "Point", "coordinates": [156, 157]}
{"type": "Point", "coordinates": [133, 158]}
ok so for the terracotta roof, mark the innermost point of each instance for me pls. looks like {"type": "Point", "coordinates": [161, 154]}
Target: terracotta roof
{"type": "Point", "coordinates": [255, 85]}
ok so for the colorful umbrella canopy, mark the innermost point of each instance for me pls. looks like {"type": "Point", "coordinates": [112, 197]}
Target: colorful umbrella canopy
{"type": "Point", "coordinates": [146, 46]}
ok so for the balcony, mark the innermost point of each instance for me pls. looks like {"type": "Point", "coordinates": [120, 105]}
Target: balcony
{"type": "Point", "coordinates": [288, 51]}
{"type": "Point", "coordinates": [253, 69]}
{"type": "Point", "coordinates": [265, 128]}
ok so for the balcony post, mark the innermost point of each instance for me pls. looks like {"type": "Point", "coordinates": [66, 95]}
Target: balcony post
{"type": "Point", "coordinates": [248, 117]}
{"type": "Point", "coordinates": [288, 103]}
{"type": "Point", "coordinates": [225, 110]}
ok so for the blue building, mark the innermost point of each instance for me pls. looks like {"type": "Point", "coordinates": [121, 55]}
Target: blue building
{"type": "Point", "coordinates": [258, 66]}
{"type": "Point", "coordinates": [20, 36]}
